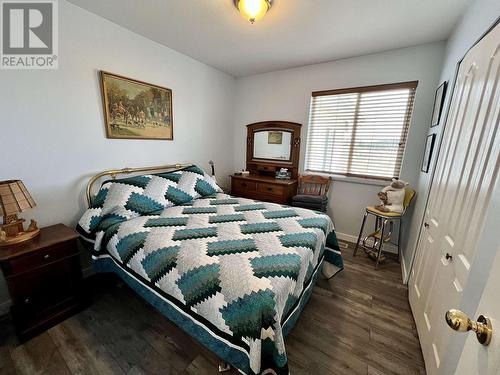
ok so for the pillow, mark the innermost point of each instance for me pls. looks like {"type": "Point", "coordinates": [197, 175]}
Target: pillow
{"type": "Point", "coordinates": [123, 199]}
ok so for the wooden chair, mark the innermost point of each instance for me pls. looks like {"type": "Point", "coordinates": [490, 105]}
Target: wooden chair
{"type": "Point", "coordinates": [383, 221]}
{"type": "Point", "coordinates": [312, 192]}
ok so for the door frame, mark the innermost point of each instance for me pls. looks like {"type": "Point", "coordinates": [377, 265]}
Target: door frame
{"type": "Point", "coordinates": [439, 146]}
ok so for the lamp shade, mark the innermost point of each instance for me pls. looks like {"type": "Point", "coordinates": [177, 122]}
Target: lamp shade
{"type": "Point", "coordinates": [14, 198]}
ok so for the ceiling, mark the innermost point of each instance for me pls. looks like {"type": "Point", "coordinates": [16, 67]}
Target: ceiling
{"type": "Point", "coordinates": [293, 33]}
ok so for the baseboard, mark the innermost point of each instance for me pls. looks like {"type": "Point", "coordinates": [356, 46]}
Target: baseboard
{"type": "Point", "coordinates": [346, 237]}
{"type": "Point", "coordinates": [404, 272]}
{"type": "Point", "coordinates": [388, 247]}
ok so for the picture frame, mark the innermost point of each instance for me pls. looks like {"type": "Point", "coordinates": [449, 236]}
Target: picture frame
{"type": "Point", "coordinates": [429, 148]}
{"type": "Point", "coordinates": [438, 104]}
{"type": "Point", "coordinates": [135, 109]}
{"type": "Point", "coordinates": [275, 138]}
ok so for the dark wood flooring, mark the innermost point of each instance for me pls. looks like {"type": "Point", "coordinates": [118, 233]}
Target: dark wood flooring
{"type": "Point", "coordinates": [359, 322]}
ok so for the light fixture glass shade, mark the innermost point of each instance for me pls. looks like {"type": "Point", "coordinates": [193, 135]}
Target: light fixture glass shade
{"type": "Point", "coordinates": [253, 10]}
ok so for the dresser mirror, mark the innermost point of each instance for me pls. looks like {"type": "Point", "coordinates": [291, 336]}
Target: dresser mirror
{"type": "Point", "coordinates": [272, 145]}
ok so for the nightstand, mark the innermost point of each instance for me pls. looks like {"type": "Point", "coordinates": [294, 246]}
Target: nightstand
{"type": "Point", "coordinates": [44, 280]}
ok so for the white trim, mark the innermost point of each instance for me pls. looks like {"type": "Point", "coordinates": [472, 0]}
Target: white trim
{"type": "Point", "coordinates": [388, 247]}
{"type": "Point", "coordinates": [347, 237]}
{"type": "Point", "coordinates": [404, 272]}
{"type": "Point", "coordinates": [4, 307]}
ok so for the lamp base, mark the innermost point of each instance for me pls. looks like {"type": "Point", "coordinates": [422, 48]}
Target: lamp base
{"type": "Point", "coordinates": [14, 233]}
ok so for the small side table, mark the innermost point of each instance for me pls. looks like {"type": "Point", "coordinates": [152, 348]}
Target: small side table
{"type": "Point", "coordinates": [44, 278]}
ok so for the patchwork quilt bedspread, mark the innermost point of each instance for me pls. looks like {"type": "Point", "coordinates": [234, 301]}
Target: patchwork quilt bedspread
{"type": "Point", "coordinates": [233, 272]}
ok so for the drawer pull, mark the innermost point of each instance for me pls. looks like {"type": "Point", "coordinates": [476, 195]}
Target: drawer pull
{"type": "Point", "coordinates": [269, 189]}
{"type": "Point", "coordinates": [46, 256]}
{"type": "Point", "coordinates": [27, 300]}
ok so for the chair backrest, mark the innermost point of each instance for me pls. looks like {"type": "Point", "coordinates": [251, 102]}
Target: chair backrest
{"type": "Point", "coordinates": [314, 185]}
{"type": "Point", "coordinates": [409, 195]}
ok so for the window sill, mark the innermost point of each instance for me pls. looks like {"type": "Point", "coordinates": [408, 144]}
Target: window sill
{"type": "Point", "coordinates": [353, 180]}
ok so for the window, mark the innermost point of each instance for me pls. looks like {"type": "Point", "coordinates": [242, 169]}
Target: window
{"type": "Point", "coordinates": [360, 132]}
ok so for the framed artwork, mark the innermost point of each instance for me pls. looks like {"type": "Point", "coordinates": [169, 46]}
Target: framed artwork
{"type": "Point", "coordinates": [135, 109]}
{"type": "Point", "coordinates": [429, 147]}
{"type": "Point", "coordinates": [275, 138]}
{"type": "Point", "coordinates": [438, 104]}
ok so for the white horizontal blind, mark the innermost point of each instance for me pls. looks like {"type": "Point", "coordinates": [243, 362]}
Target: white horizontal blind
{"type": "Point", "coordinates": [360, 132]}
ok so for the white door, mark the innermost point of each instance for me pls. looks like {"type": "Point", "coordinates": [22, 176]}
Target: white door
{"type": "Point", "coordinates": [450, 269]}
{"type": "Point", "coordinates": [476, 358]}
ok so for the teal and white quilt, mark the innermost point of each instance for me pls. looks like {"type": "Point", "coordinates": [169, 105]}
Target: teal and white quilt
{"type": "Point", "coordinates": [233, 272]}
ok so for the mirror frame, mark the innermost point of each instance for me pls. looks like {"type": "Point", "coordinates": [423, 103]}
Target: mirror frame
{"type": "Point", "coordinates": [254, 165]}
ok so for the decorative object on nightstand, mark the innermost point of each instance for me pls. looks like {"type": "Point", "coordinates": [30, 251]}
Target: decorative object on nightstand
{"type": "Point", "coordinates": [14, 198]}
{"type": "Point", "coordinates": [313, 192]}
{"type": "Point", "coordinates": [44, 280]}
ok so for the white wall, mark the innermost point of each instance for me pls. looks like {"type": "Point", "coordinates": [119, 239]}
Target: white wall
{"type": "Point", "coordinates": [285, 95]}
{"type": "Point", "coordinates": [52, 129]}
{"type": "Point", "coordinates": [480, 15]}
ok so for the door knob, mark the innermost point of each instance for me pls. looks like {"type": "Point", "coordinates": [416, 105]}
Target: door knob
{"type": "Point", "coordinates": [460, 322]}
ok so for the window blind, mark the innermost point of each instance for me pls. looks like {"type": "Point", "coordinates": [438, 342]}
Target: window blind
{"type": "Point", "coordinates": [360, 132]}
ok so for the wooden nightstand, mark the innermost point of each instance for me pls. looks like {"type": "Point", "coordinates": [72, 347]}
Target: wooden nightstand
{"type": "Point", "coordinates": [44, 280]}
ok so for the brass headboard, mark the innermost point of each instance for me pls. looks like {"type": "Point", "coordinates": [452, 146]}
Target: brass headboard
{"type": "Point", "coordinates": [114, 172]}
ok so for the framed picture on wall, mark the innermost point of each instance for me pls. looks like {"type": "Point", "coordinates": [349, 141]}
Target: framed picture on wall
{"type": "Point", "coordinates": [135, 109]}
{"type": "Point", "coordinates": [429, 147]}
{"type": "Point", "coordinates": [438, 104]}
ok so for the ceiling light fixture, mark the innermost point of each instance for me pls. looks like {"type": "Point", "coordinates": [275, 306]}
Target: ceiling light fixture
{"type": "Point", "coordinates": [253, 10]}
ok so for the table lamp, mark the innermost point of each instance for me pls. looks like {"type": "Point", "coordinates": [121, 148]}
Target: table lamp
{"type": "Point", "coordinates": [14, 198]}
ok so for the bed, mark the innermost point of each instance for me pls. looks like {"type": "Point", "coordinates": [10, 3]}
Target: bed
{"type": "Point", "coordinates": [232, 272]}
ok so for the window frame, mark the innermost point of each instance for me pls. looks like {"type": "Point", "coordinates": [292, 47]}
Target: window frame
{"type": "Point", "coordinates": [354, 177]}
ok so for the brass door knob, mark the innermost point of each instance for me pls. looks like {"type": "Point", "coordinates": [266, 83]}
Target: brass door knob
{"type": "Point", "coordinates": [460, 322]}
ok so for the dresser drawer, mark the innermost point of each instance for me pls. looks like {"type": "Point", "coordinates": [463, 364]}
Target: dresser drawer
{"type": "Point", "coordinates": [270, 189]}
{"type": "Point", "coordinates": [42, 257]}
{"type": "Point", "coordinates": [241, 185]}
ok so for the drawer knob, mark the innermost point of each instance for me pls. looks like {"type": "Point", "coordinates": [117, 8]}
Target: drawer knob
{"type": "Point", "coordinates": [269, 189]}
{"type": "Point", "coordinates": [27, 300]}
{"type": "Point", "coordinates": [46, 256]}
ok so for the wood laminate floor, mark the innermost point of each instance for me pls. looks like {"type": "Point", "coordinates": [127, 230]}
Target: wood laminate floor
{"type": "Point", "coordinates": [359, 322]}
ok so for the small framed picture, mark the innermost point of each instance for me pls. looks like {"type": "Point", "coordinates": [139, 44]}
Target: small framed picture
{"type": "Point", "coordinates": [275, 138]}
{"type": "Point", "coordinates": [438, 104]}
{"type": "Point", "coordinates": [429, 147]}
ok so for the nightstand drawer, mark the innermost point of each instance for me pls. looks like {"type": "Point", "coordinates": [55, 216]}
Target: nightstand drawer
{"type": "Point", "coordinates": [270, 189]}
{"type": "Point", "coordinates": [42, 257]}
{"type": "Point", "coordinates": [36, 291]}
{"type": "Point", "coordinates": [244, 185]}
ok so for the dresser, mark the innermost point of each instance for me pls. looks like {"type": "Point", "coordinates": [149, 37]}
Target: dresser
{"type": "Point", "coordinates": [263, 188]}
{"type": "Point", "coordinates": [44, 279]}
{"type": "Point", "coordinates": [271, 146]}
